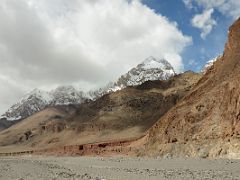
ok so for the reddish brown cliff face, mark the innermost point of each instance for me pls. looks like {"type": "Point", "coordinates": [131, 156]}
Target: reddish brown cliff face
{"type": "Point", "coordinates": [233, 43]}
{"type": "Point", "coordinates": [207, 121]}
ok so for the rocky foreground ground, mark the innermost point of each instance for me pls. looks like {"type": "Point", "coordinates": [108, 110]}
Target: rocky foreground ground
{"type": "Point", "coordinates": [97, 168]}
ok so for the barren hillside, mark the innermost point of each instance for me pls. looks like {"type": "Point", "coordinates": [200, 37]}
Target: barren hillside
{"type": "Point", "coordinates": [125, 114]}
{"type": "Point", "coordinates": [206, 122]}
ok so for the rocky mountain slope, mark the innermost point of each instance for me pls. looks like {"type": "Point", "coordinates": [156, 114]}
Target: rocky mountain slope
{"type": "Point", "coordinates": [4, 124]}
{"type": "Point", "coordinates": [206, 122]}
{"type": "Point", "coordinates": [150, 69]}
{"type": "Point", "coordinates": [124, 114]}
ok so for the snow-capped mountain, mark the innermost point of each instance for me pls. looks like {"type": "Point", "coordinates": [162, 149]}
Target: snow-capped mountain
{"type": "Point", "coordinates": [64, 95]}
{"type": "Point", "coordinates": [149, 69]}
{"type": "Point", "coordinates": [209, 64]}
{"type": "Point", "coordinates": [38, 99]}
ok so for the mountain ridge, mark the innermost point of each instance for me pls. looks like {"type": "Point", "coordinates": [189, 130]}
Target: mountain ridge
{"type": "Point", "coordinates": [150, 69]}
{"type": "Point", "coordinates": [123, 114]}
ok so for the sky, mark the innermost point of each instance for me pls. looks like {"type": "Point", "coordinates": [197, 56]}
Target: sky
{"type": "Point", "coordinates": [87, 43]}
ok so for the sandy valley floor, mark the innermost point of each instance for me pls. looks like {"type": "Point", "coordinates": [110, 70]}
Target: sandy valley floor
{"type": "Point", "coordinates": [97, 168]}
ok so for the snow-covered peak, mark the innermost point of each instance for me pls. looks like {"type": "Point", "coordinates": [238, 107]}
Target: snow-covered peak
{"type": "Point", "coordinates": [32, 102]}
{"type": "Point", "coordinates": [38, 93]}
{"type": "Point", "coordinates": [37, 100]}
{"type": "Point", "coordinates": [68, 88]}
{"type": "Point", "coordinates": [150, 69]}
{"type": "Point", "coordinates": [64, 95]}
{"type": "Point", "coordinates": [209, 64]}
{"type": "Point", "coordinates": [153, 63]}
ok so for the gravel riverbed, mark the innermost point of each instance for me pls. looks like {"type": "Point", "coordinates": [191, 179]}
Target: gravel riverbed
{"type": "Point", "coordinates": [110, 168]}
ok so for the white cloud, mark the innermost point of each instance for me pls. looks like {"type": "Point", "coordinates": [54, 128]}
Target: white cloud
{"type": "Point", "coordinates": [193, 62]}
{"type": "Point", "coordinates": [205, 22]}
{"type": "Point", "coordinates": [188, 3]}
{"type": "Point", "coordinates": [85, 42]}
{"type": "Point", "coordinates": [229, 8]}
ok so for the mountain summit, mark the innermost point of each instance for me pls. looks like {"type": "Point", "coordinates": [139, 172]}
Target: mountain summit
{"type": "Point", "coordinates": [38, 99]}
{"type": "Point", "coordinates": [150, 69]}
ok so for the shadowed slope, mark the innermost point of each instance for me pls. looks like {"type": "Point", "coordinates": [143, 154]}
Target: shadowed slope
{"type": "Point", "coordinates": [125, 114]}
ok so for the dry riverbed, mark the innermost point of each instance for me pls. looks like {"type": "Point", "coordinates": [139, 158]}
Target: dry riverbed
{"type": "Point", "coordinates": [97, 168]}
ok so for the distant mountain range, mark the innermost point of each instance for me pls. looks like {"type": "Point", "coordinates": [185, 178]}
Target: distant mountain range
{"type": "Point", "coordinates": [38, 99]}
{"type": "Point", "coordinates": [150, 69]}
{"type": "Point", "coordinates": [121, 115]}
